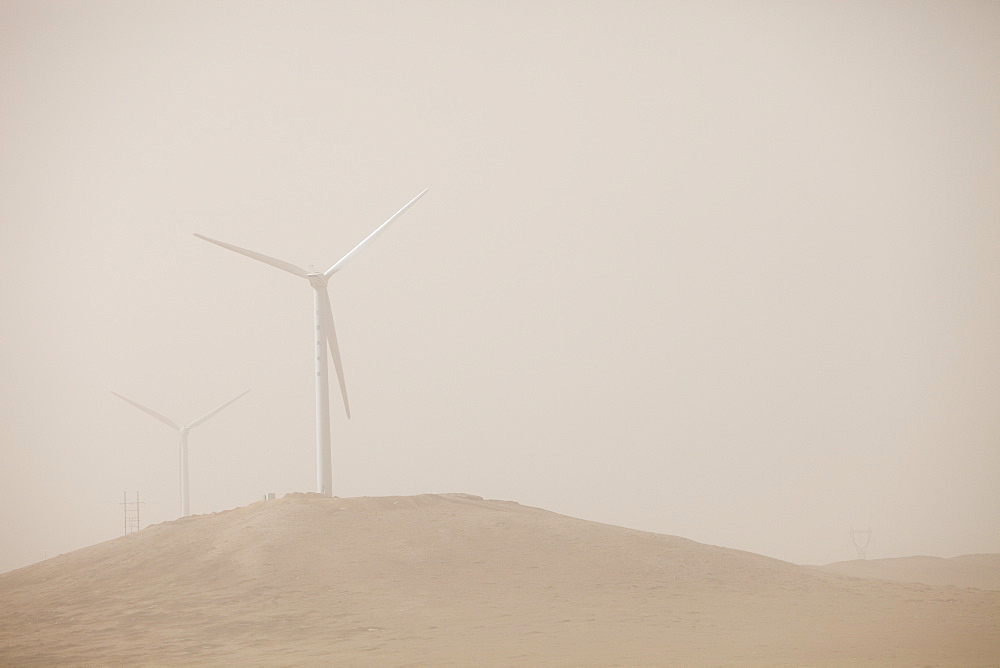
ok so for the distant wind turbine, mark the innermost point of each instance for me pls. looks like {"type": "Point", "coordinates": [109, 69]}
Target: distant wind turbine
{"type": "Point", "coordinates": [185, 505]}
{"type": "Point", "coordinates": [326, 335]}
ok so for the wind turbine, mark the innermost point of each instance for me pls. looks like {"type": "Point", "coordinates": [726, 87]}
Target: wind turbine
{"type": "Point", "coordinates": [185, 505]}
{"type": "Point", "coordinates": [326, 335]}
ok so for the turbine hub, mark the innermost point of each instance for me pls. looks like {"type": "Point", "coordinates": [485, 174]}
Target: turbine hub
{"type": "Point", "coordinates": [317, 280]}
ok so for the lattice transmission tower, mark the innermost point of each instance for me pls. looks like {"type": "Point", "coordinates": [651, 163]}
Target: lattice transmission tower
{"type": "Point", "coordinates": [131, 513]}
{"type": "Point", "coordinates": [861, 538]}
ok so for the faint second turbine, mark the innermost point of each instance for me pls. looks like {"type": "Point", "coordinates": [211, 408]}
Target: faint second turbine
{"type": "Point", "coordinates": [326, 336]}
{"type": "Point", "coordinates": [185, 505]}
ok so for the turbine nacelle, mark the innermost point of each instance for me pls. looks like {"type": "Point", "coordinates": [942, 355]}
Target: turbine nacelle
{"type": "Point", "coordinates": [318, 280]}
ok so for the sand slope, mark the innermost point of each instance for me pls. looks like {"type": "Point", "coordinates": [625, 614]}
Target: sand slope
{"type": "Point", "coordinates": [981, 571]}
{"type": "Point", "coordinates": [456, 580]}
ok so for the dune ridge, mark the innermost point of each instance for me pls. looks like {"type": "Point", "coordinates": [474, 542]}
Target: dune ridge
{"type": "Point", "coordinates": [979, 571]}
{"type": "Point", "coordinates": [453, 579]}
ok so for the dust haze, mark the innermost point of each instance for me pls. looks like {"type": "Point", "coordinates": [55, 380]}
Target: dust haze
{"type": "Point", "coordinates": [726, 271]}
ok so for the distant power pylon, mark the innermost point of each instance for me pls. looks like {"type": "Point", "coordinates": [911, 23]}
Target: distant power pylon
{"type": "Point", "coordinates": [131, 513]}
{"type": "Point", "coordinates": [861, 538]}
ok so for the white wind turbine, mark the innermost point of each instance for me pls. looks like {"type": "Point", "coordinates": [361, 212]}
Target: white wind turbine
{"type": "Point", "coordinates": [185, 505]}
{"type": "Point", "coordinates": [326, 335]}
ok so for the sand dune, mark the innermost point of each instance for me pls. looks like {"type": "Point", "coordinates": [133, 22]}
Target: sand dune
{"type": "Point", "coordinates": [455, 580]}
{"type": "Point", "coordinates": [981, 571]}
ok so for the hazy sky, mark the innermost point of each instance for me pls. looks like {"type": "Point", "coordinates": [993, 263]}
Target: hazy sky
{"type": "Point", "coordinates": [723, 270]}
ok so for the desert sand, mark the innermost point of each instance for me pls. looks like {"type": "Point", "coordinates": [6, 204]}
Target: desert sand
{"type": "Point", "coordinates": [453, 579]}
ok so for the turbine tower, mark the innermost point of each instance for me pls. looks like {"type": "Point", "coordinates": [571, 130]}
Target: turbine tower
{"type": "Point", "coordinates": [326, 336]}
{"type": "Point", "coordinates": [185, 505]}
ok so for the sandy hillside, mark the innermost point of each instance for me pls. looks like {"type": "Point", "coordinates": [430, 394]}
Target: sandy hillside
{"type": "Point", "coordinates": [981, 571]}
{"type": "Point", "coordinates": [456, 580]}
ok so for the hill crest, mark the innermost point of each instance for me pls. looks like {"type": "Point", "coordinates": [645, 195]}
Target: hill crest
{"type": "Point", "coordinates": [453, 579]}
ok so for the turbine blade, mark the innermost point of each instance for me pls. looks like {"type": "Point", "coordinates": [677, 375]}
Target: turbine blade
{"type": "Point", "coordinates": [266, 259]}
{"type": "Point", "coordinates": [340, 263]}
{"type": "Point", "coordinates": [212, 412]}
{"type": "Point", "coordinates": [162, 418]}
{"type": "Point", "coordinates": [330, 333]}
